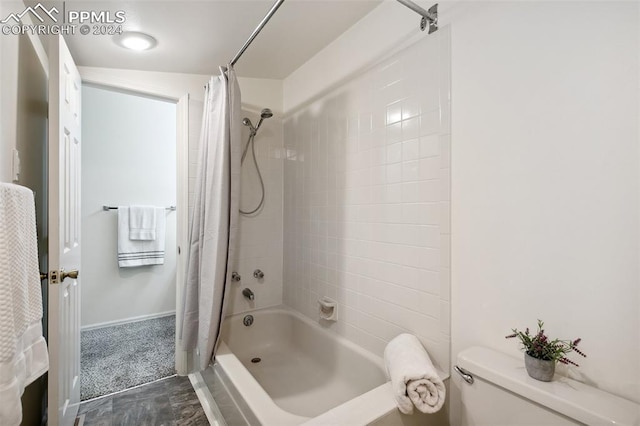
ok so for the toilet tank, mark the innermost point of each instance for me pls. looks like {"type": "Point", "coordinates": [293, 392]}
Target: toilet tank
{"type": "Point", "coordinates": [503, 394]}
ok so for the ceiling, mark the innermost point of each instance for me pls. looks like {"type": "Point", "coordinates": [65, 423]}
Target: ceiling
{"type": "Point", "coordinates": [199, 36]}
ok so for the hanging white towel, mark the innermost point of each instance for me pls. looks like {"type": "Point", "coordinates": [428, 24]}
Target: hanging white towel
{"type": "Point", "coordinates": [414, 379]}
{"type": "Point", "coordinates": [140, 252]}
{"type": "Point", "coordinates": [142, 222]}
{"type": "Point", "coordinates": [23, 350]}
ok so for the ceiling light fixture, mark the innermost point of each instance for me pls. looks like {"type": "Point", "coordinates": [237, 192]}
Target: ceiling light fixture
{"type": "Point", "coordinates": [135, 40]}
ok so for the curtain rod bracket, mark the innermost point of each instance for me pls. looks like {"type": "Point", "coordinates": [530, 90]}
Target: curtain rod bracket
{"type": "Point", "coordinates": [432, 19]}
{"type": "Point", "coordinates": [429, 17]}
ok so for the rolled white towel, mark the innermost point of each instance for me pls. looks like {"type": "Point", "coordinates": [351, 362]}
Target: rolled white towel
{"type": "Point", "coordinates": [414, 379]}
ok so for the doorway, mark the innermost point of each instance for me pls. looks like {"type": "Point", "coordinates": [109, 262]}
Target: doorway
{"type": "Point", "coordinates": [127, 312]}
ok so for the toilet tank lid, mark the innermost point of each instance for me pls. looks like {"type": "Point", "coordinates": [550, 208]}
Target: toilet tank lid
{"type": "Point", "coordinates": [574, 399]}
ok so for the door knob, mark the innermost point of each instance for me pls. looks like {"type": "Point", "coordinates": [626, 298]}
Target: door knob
{"type": "Point", "coordinates": [71, 274]}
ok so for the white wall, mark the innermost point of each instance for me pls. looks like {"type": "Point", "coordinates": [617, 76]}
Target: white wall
{"type": "Point", "coordinates": [545, 181]}
{"type": "Point", "coordinates": [9, 60]}
{"type": "Point", "coordinates": [255, 91]}
{"type": "Point", "coordinates": [8, 100]}
{"type": "Point", "coordinates": [260, 242]}
{"type": "Point", "coordinates": [544, 170]}
{"type": "Point", "coordinates": [128, 157]}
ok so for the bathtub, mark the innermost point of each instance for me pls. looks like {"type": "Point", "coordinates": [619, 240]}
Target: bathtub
{"type": "Point", "coordinates": [285, 369]}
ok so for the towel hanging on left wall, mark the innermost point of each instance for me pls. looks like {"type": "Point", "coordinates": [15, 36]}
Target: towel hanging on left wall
{"type": "Point", "coordinates": [23, 350]}
{"type": "Point", "coordinates": [140, 252]}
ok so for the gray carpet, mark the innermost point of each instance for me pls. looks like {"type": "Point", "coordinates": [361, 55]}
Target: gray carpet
{"type": "Point", "coordinates": [122, 356]}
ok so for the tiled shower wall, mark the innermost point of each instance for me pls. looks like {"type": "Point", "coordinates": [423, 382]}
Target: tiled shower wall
{"type": "Point", "coordinates": [366, 201]}
{"type": "Point", "coordinates": [260, 236]}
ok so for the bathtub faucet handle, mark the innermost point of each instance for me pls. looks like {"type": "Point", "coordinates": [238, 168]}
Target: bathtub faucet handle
{"type": "Point", "coordinates": [247, 293]}
{"type": "Point", "coordinates": [258, 274]}
{"type": "Point", "coordinates": [235, 277]}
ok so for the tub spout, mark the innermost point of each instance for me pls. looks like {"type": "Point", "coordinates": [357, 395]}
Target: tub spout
{"type": "Point", "coordinates": [248, 294]}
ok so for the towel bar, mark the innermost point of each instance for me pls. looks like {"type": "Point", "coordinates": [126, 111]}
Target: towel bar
{"type": "Point", "coordinates": [107, 208]}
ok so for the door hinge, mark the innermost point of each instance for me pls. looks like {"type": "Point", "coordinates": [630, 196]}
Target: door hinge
{"type": "Point", "coordinates": [54, 277]}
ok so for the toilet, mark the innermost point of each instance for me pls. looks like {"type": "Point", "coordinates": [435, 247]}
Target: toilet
{"type": "Point", "coordinates": [497, 391]}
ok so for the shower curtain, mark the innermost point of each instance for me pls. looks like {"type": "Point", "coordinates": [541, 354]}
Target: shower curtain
{"type": "Point", "coordinates": [214, 220]}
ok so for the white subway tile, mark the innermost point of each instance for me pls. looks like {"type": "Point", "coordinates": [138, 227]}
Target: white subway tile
{"type": "Point", "coordinates": [378, 156]}
{"type": "Point", "coordinates": [429, 123]}
{"type": "Point", "coordinates": [445, 283]}
{"type": "Point", "coordinates": [392, 93]}
{"type": "Point", "coordinates": [393, 193]}
{"type": "Point", "coordinates": [445, 217]}
{"type": "Point", "coordinates": [410, 171]}
{"type": "Point", "coordinates": [411, 128]}
{"type": "Point", "coordinates": [444, 316]}
{"type": "Point", "coordinates": [394, 133]}
{"type": "Point", "coordinates": [445, 250]}
{"type": "Point", "coordinates": [394, 113]}
{"type": "Point", "coordinates": [429, 191]}
{"type": "Point", "coordinates": [379, 193]}
{"type": "Point", "coordinates": [410, 150]}
{"type": "Point", "coordinates": [378, 175]}
{"type": "Point", "coordinates": [429, 146]}
{"type": "Point", "coordinates": [445, 184]}
{"type": "Point", "coordinates": [410, 107]}
{"type": "Point", "coordinates": [429, 168]}
{"type": "Point", "coordinates": [445, 151]}
{"type": "Point", "coordinates": [371, 343]}
{"type": "Point", "coordinates": [394, 173]}
{"type": "Point", "coordinates": [394, 153]}
{"type": "Point", "coordinates": [378, 327]}
{"type": "Point", "coordinates": [365, 204]}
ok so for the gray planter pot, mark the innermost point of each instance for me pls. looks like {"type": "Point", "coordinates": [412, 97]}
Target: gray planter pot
{"type": "Point", "coordinates": [539, 369]}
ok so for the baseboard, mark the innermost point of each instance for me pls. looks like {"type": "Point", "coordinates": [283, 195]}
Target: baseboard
{"type": "Point", "coordinates": [126, 320]}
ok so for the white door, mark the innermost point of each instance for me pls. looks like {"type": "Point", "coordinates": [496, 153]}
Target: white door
{"type": "Point", "coordinates": [64, 235]}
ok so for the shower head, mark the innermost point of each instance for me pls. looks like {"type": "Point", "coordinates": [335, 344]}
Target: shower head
{"type": "Point", "coordinates": [265, 113]}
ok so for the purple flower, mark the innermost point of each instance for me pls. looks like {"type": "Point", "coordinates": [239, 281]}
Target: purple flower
{"type": "Point", "coordinates": [542, 347]}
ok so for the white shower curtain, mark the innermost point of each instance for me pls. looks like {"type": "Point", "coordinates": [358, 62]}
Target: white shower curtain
{"type": "Point", "coordinates": [214, 221]}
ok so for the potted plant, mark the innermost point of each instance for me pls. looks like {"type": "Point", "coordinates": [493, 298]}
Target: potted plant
{"type": "Point", "coordinates": [541, 354]}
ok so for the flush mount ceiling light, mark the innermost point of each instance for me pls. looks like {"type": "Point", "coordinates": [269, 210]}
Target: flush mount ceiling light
{"type": "Point", "coordinates": [135, 40]}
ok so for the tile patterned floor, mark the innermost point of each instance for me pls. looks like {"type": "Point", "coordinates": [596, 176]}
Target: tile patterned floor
{"type": "Point", "coordinates": [168, 402]}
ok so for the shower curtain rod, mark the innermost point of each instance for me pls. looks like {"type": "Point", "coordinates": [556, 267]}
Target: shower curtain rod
{"type": "Point", "coordinates": [255, 32]}
{"type": "Point", "coordinates": [428, 16]}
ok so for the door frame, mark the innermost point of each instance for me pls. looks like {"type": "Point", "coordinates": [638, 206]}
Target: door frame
{"type": "Point", "coordinates": [110, 79]}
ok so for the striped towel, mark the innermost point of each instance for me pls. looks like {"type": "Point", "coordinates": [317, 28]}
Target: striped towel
{"type": "Point", "coordinates": [140, 252]}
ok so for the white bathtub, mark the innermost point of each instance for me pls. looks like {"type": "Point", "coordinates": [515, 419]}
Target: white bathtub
{"type": "Point", "coordinates": [306, 375]}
